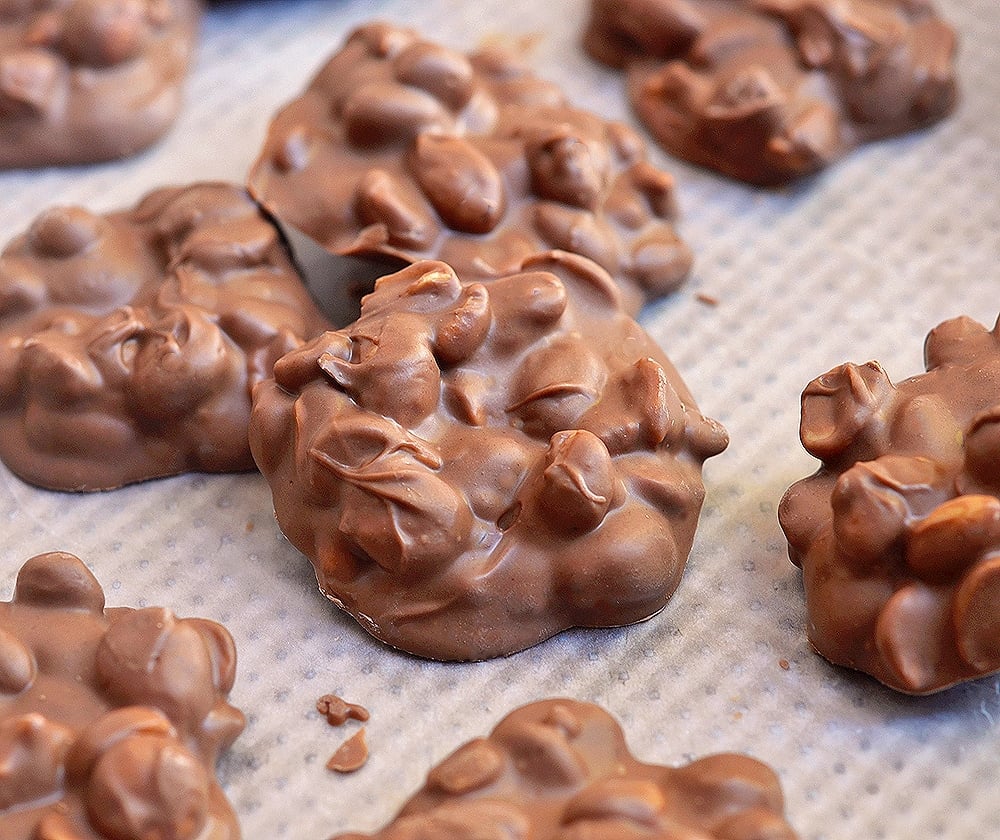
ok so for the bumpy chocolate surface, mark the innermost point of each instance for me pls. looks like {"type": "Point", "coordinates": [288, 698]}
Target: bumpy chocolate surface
{"type": "Point", "coordinates": [898, 533]}
{"type": "Point", "coordinates": [561, 770]}
{"type": "Point", "coordinates": [475, 467]}
{"type": "Point", "coordinates": [110, 720]}
{"type": "Point", "coordinates": [771, 90]}
{"type": "Point", "coordinates": [90, 80]}
{"type": "Point", "coordinates": [130, 342]}
{"type": "Point", "coordinates": [404, 148]}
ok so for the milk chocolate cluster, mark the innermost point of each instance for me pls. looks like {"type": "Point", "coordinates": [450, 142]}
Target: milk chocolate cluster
{"type": "Point", "coordinates": [770, 90]}
{"type": "Point", "coordinates": [898, 533]}
{"type": "Point", "coordinates": [404, 148]}
{"type": "Point", "coordinates": [130, 342]}
{"type": "Point", "coordinates": [474, 467]}
{"type": "Point", "coordinates": [561, 770]}
{"type": "Point", "coordinates": [110, 720]}
{"type": "Point", "coordinates": [90, 80]}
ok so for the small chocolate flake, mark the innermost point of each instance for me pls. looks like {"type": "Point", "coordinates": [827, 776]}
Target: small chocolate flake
{"type": "Point", "coordinates": [337, 710]}
{"type": "Point", "coordinates": [351, 755]}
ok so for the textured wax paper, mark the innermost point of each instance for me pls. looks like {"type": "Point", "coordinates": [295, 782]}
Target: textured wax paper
{"type": "Point", "coordinates": [857, 264]}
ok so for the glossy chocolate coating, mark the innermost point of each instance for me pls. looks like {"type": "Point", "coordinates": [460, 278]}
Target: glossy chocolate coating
{"type": "Point", "coordinates": [561, 770]}
{"type": "Point", "coordinates": [473, 468]}
{"type": "Point", "coordinates": [405, 148]}
{"type": "Point", "coordinates": [898, 533]}
{"type": "Point", "coordinates": [771, 90]}
{"type": "Point", "coordinates": [90, 80]}
{"type": "Point", "coordinates": [111, 721]}
{"type": "Point", "coordinates": [130, 342]}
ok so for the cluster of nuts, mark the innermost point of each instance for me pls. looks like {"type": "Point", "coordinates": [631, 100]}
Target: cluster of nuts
{"type": "Point", "coordinates": [135, 714]}
{"type": "Point", "coordinates": [823, 77]}
{"type": "Point", "coordinates": [902, 573]}
{"type": "Point", "coordinates": [88, 33]}
{"type": "Point", "coordinates": [142, 332]}
{"type": "Point", "coordinates": [409, 149]}
{"type": "Point", "coordinates": [516, 448]}
{"type": "Point", "coordinates": [90, 80]}
{"type": "Point", "coordinates": [561, 769]}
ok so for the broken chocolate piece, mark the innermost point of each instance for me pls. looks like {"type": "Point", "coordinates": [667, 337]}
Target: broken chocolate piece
{"type": "Point", "coordinates": [111, 721]}
{"type": "Point", "coordinates": [560, 769]}
{"type": "Point", "coordinates": [898, 532]}
{"type": "Point", "coordinates": [336, 710]}
{"type": "Point", "coordinates": [130, 342]}
{"type": "Point", "coordinates": [400, 147]}
{"type": "Point", "coordinates": [90, 80]}
{"type": "Point", "coordinates": [772, 90]}
{"type": "Point", "coordinates": [351, 755]}
{"type": "Point", "coordinates": [474, 467]}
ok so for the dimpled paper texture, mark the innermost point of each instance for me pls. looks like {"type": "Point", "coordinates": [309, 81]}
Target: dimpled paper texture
{"type": "Point", "coordinates": [859, 264]}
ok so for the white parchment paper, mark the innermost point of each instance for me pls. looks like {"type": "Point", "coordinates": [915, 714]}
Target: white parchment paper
{"type": "Point", "coordinates": [857, 264]}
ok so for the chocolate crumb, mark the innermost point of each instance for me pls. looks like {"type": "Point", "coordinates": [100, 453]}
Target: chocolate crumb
{"type": "Point", "coordinates": [351, 755]}
{"type": "Point", "coordinates": [783, 664]}
{"type": "Point", "coordinates": [337, 710]}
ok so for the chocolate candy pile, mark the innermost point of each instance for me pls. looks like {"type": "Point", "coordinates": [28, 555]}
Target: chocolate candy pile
{"type": "Point", "coordinates": [401, 147]}
{"type": "Point", "coordinates": [474, 467]}
{"type": "Point", "coordinates": [509, 397]}
{"type": "Point", "coordinates": [90, 80]}
{"type": "Point", "coordinates": [560, 769]}
{"type": "Point", "coordinates": [142, 333]}
{"type": "Point", "coordinates": [898, 533]}
{"type": "Point", "coordinates": [494, 451]}
{"type": "Point", "coordinates": [110, 720]}
{"type": "Point", "coordinates": [771, 90]}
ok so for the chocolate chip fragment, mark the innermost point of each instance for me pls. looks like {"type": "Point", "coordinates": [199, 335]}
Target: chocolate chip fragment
{"type": "Point", "coordinates": [351, 755]}
{"type": "Point", "coordinates": [336, 710]}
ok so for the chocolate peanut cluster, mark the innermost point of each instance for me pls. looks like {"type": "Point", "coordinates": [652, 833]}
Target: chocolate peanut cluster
{"type": "Point", "coordinates": [560, 770]}
{"type": "Point", "coordinates": [404, 148]}
{"type": "Point", "coordinates": [473, 467]}
{"type": "Point", "coordinates": [90, 80]}
{"type": "Point", "coordinates": [898, 533]}
{"type": "Point", "coordinates": [130, 342]}
{"type": "Point", "coordinates": [111, 721]}
{"type": "Point", "coordinates": [771, 90]}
